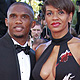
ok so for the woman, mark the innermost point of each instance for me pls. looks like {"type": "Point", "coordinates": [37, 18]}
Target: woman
{"type": "Point", "coordinates": [58, 59]}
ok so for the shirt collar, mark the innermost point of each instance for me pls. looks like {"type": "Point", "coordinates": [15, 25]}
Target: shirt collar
{"type": "Point", "coordinates": [15, 42]}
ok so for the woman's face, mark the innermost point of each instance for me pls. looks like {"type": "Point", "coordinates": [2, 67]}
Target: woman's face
{"type": "Point", "coordinates": [57, 20]}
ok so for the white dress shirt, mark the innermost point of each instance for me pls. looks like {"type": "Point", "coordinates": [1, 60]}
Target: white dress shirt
{"type": "Point", "coordinates": [24, 62]}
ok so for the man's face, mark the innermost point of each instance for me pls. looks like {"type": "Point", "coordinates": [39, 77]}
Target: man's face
{"type": "Point", "coordinates": [19, 21]}
{"type": "Point", "coordinates": [36, 31]}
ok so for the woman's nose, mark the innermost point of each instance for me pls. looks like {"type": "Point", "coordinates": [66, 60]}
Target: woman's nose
{"type": "Point", "coordinates": [55, 16]}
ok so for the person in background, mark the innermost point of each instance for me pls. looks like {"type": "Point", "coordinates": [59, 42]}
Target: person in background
{"type": "Point", "coordinates": [46, 33]}
{"type": "Point", "coordinates": [58, 59]}
{"type": "Point", "coordinates": [73, 32]}
{"type": "Point", "coordinates": [37, 42]}
{"type": "Point", "coordinates": [17, 60]}
{"type": "Point", "coordinates": [36, 33]}
{"type": "Point", "coordinates": [77, 26]}
{"type": "Point", "coordinates": [36, 30]}
{"type": "Point", "coordinates": [4, 5]}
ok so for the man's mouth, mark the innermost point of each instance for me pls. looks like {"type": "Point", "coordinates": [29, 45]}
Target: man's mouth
{"type": "Point", "coordinates": [18, 28]}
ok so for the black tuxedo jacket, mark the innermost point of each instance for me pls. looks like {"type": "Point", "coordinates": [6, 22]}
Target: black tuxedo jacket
{"type": "Point", "coordinates": [9, 65]}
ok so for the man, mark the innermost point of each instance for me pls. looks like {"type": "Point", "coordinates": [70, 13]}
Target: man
{"type": "Point", "coordinates": [16, 65]}
{"type": "Point", "coordinates": [35, 33]}
{"type": "Point", "coordinates": [37, 42]}
{"type": "Point", "coordinates": [4, 5]}
{"type": "Point", "coordinates": [36, 30]}
{"type": "Point", "coordinates": [46, 31]}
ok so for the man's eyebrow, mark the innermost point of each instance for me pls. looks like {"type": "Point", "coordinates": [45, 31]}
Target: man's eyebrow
{"type": "Point", "coordinates": [26, 14]}
{"type": "Point", "coordinates": [12, 14]}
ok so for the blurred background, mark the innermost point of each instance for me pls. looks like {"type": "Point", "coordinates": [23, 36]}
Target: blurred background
{"type": "Point", "coordinates": [37, 4]}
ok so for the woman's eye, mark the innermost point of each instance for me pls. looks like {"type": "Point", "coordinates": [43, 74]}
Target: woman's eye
{"type": "Point", "coordinates": [61, 12]}
{"type": "Point", "coordinates": [49, 13]}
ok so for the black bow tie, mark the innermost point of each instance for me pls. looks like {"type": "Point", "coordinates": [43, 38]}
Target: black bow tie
{"type": "Point", "coordinates": [25, 49]}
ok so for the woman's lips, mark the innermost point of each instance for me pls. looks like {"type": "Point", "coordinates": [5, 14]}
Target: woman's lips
{"type": "Point", "coordinates": [56, 24]}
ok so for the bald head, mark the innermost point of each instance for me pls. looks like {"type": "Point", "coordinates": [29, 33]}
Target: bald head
{"type": "Point", "coordinates": [28, 8]}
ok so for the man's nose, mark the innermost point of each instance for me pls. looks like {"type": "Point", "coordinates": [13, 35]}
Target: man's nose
{"type": "Point", "coordinates": [36, 31]}
{"type": "Point", "coordinates": [18, 21]}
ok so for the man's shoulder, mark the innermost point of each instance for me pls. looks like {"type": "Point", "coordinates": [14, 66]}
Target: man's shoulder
{"type": "Point", "coordinates": [6, 36]}
{"type": "Point", "coordinates": [6, 40]}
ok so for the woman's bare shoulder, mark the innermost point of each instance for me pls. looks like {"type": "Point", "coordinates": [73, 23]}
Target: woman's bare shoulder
{"type": "Point", "coordinates": [74, 47]}
{"type": "Point", "coordinates": [75, 42]}
{"type": "Point", "coordinates": [40, 49]}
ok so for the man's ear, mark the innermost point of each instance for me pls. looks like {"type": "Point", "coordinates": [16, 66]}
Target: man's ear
{"type": "Point", "coordinates": [33, 24]}
{"type": "Point", "coordinates": [6, 22]}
